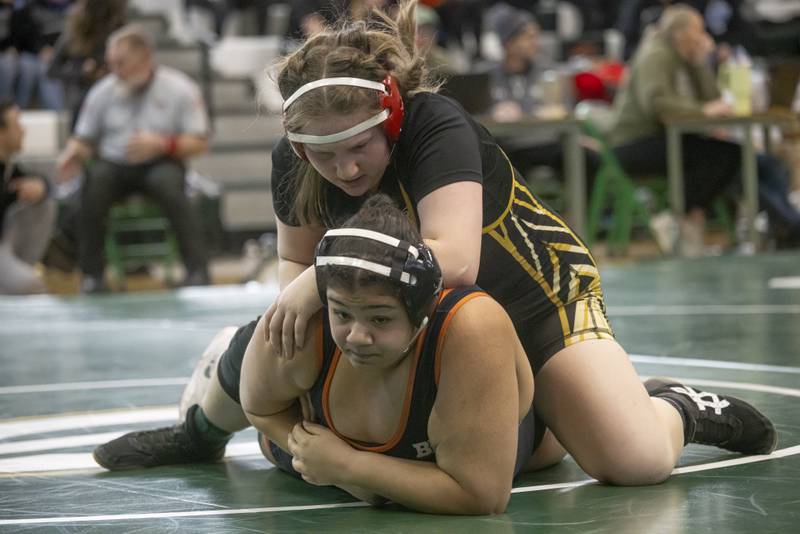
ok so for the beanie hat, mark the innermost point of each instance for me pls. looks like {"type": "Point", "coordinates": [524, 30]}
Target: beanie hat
{"type": "Point", "coordinates": [507, 21]}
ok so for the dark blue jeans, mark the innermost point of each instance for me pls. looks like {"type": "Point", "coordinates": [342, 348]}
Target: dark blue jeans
{"type": "Point", "coordinates": [711, 166]}
{"type": "Point", "coordinates": [773, 193]}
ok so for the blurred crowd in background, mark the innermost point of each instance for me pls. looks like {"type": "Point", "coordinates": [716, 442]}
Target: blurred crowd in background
{"type": "Point", "coordinates": [505, 61]}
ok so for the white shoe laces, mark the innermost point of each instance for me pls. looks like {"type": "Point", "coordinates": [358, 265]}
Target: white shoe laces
{"type": "Point", "coordinates": [699, 398]}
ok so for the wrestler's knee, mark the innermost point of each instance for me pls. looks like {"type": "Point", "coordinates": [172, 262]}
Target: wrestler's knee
{"type": "Point", "coordinates": [641, 461]}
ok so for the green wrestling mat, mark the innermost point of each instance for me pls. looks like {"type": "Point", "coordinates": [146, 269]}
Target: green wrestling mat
{"type": "Point", "coordinates": [78, 371]}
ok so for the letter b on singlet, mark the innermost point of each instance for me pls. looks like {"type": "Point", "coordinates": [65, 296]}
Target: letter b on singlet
{"type": "Point", "coordinates": [423, 449]}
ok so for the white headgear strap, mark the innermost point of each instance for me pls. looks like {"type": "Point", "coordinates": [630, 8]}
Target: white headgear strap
{"type": "Point", "coordinates": [375, 236]}
{"type": "Point", "coordinates": [405, 277]}
{"type": "Point", "coordinates": [339, 136]}
{"type": "Point", "coordinates": [345, 134]}
{"type": "Point", "coordinates": [383, 270]}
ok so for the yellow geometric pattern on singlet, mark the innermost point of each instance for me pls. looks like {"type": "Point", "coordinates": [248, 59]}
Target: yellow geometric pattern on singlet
{"type": "Point", "coordinates": [560, 240]}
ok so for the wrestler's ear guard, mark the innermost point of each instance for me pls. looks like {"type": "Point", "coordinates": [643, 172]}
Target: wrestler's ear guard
{"type": "Point", "coordinates": [392, 101]}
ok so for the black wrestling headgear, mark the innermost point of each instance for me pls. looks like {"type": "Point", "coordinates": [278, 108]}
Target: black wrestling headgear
{"type": "Point", "coordinates": [414, 266]}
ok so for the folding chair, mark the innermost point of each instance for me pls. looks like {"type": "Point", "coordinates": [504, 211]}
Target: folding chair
{"type": "Point", "coordinates": [139, 234]}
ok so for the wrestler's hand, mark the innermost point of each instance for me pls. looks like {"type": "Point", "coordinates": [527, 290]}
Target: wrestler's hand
{"type": "Point", "coordinates": [145, 146]}
{"type": "Point", "coordinates": [288, 316]}
{"type": "Point", "coordinates": [319, 455]}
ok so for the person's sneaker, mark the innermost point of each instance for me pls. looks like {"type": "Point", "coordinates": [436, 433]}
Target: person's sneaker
{"type": "Point", "coordinates": [163, 446]}
{"type": "Point", "coordinates": [93, 285]}
{"type": "Point", "coordinates": [713, 419]}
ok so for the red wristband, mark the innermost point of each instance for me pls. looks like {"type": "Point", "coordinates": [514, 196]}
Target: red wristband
{"type": "Point", "coordinates": [172, 145]}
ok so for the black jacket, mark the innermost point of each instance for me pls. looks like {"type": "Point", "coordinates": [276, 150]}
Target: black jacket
{"type": "Point", "coordinates": [7, 196]}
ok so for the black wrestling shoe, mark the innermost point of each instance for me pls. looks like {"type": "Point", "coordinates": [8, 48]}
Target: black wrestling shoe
{"type": "Point", "coordinates": [721, 421]}
{"type": "Point", "coordinates": [170, 445]}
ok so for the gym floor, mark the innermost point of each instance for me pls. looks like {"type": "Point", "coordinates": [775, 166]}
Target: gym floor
{"type": "Point", "coordinates": [77, 371]}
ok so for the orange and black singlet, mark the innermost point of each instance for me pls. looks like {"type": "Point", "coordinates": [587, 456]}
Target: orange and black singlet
{"type": "Point", "coordinates": [410, 439]}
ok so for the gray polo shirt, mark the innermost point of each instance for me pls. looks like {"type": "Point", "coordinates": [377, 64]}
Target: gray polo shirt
{"type": "Point", "coordinates": [171, 104]}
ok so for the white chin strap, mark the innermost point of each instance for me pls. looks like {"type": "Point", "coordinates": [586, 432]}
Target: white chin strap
{"type": "Point", "coordinates": [422, 325]}
{"type": "Point", "coordinates": [350, 132]}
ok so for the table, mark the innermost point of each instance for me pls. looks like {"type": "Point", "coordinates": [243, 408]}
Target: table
{"type": "Point", "coordinates": [570, 129]}
{"type": "Point", "coordinates": [681, 124]}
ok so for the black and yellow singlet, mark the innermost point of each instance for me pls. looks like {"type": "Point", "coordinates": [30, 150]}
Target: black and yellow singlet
{"type": "Point", "coordinates": [531, 262]}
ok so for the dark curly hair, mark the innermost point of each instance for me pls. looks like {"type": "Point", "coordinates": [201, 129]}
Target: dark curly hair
{"type": "Point", "coordinates": [380, 214]}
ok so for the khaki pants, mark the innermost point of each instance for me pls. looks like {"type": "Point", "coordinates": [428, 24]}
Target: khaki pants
{"type": "Point", "coordinates": [26, 232]}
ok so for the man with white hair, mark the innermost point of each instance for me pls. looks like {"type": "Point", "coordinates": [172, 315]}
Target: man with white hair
{"type": "Point", "coordinates": [136, 129]}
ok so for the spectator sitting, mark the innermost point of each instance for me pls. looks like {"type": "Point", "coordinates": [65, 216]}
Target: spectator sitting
{"type": "Point", "coordinates": [49, 17]}
{"type": "Point", "coordinates": [78, 60]}
{"type": "Point", "coordinates": [24, 58]}
{"type": "Point", "coordinates": [135, 131]}
{"type": "Point", "coordinates": [221, 10]}
{"type": "Point", "coordinates": [514, 79]}
{"type": "Point", "coordinates": [670, 74]}
{"type": "Point", "coordinates": [791, 152]}
{"type": "Point", "coordinates": [515, 90]}
{"type": "Point", "coordinates": [26, 212]}
{"type": "Point", "coordinates": [722, 18]}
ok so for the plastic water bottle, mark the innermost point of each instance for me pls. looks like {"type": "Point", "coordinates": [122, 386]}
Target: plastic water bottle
{"type": "Point", "coordinates": [741, 84]}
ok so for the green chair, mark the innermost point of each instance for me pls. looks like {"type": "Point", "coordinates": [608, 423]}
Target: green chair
{"type": "Point", "coordinates": [139, 234]}
{"type": "Point", "coordinates": [630, 202]}
{"type": "Point", "coordinates": [617, 203]}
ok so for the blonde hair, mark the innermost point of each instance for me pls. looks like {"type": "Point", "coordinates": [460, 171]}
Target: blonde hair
{"type": "Point", "coordinates": [675, 18]}
{"type": "Point", "coordinates": [368, 49]}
